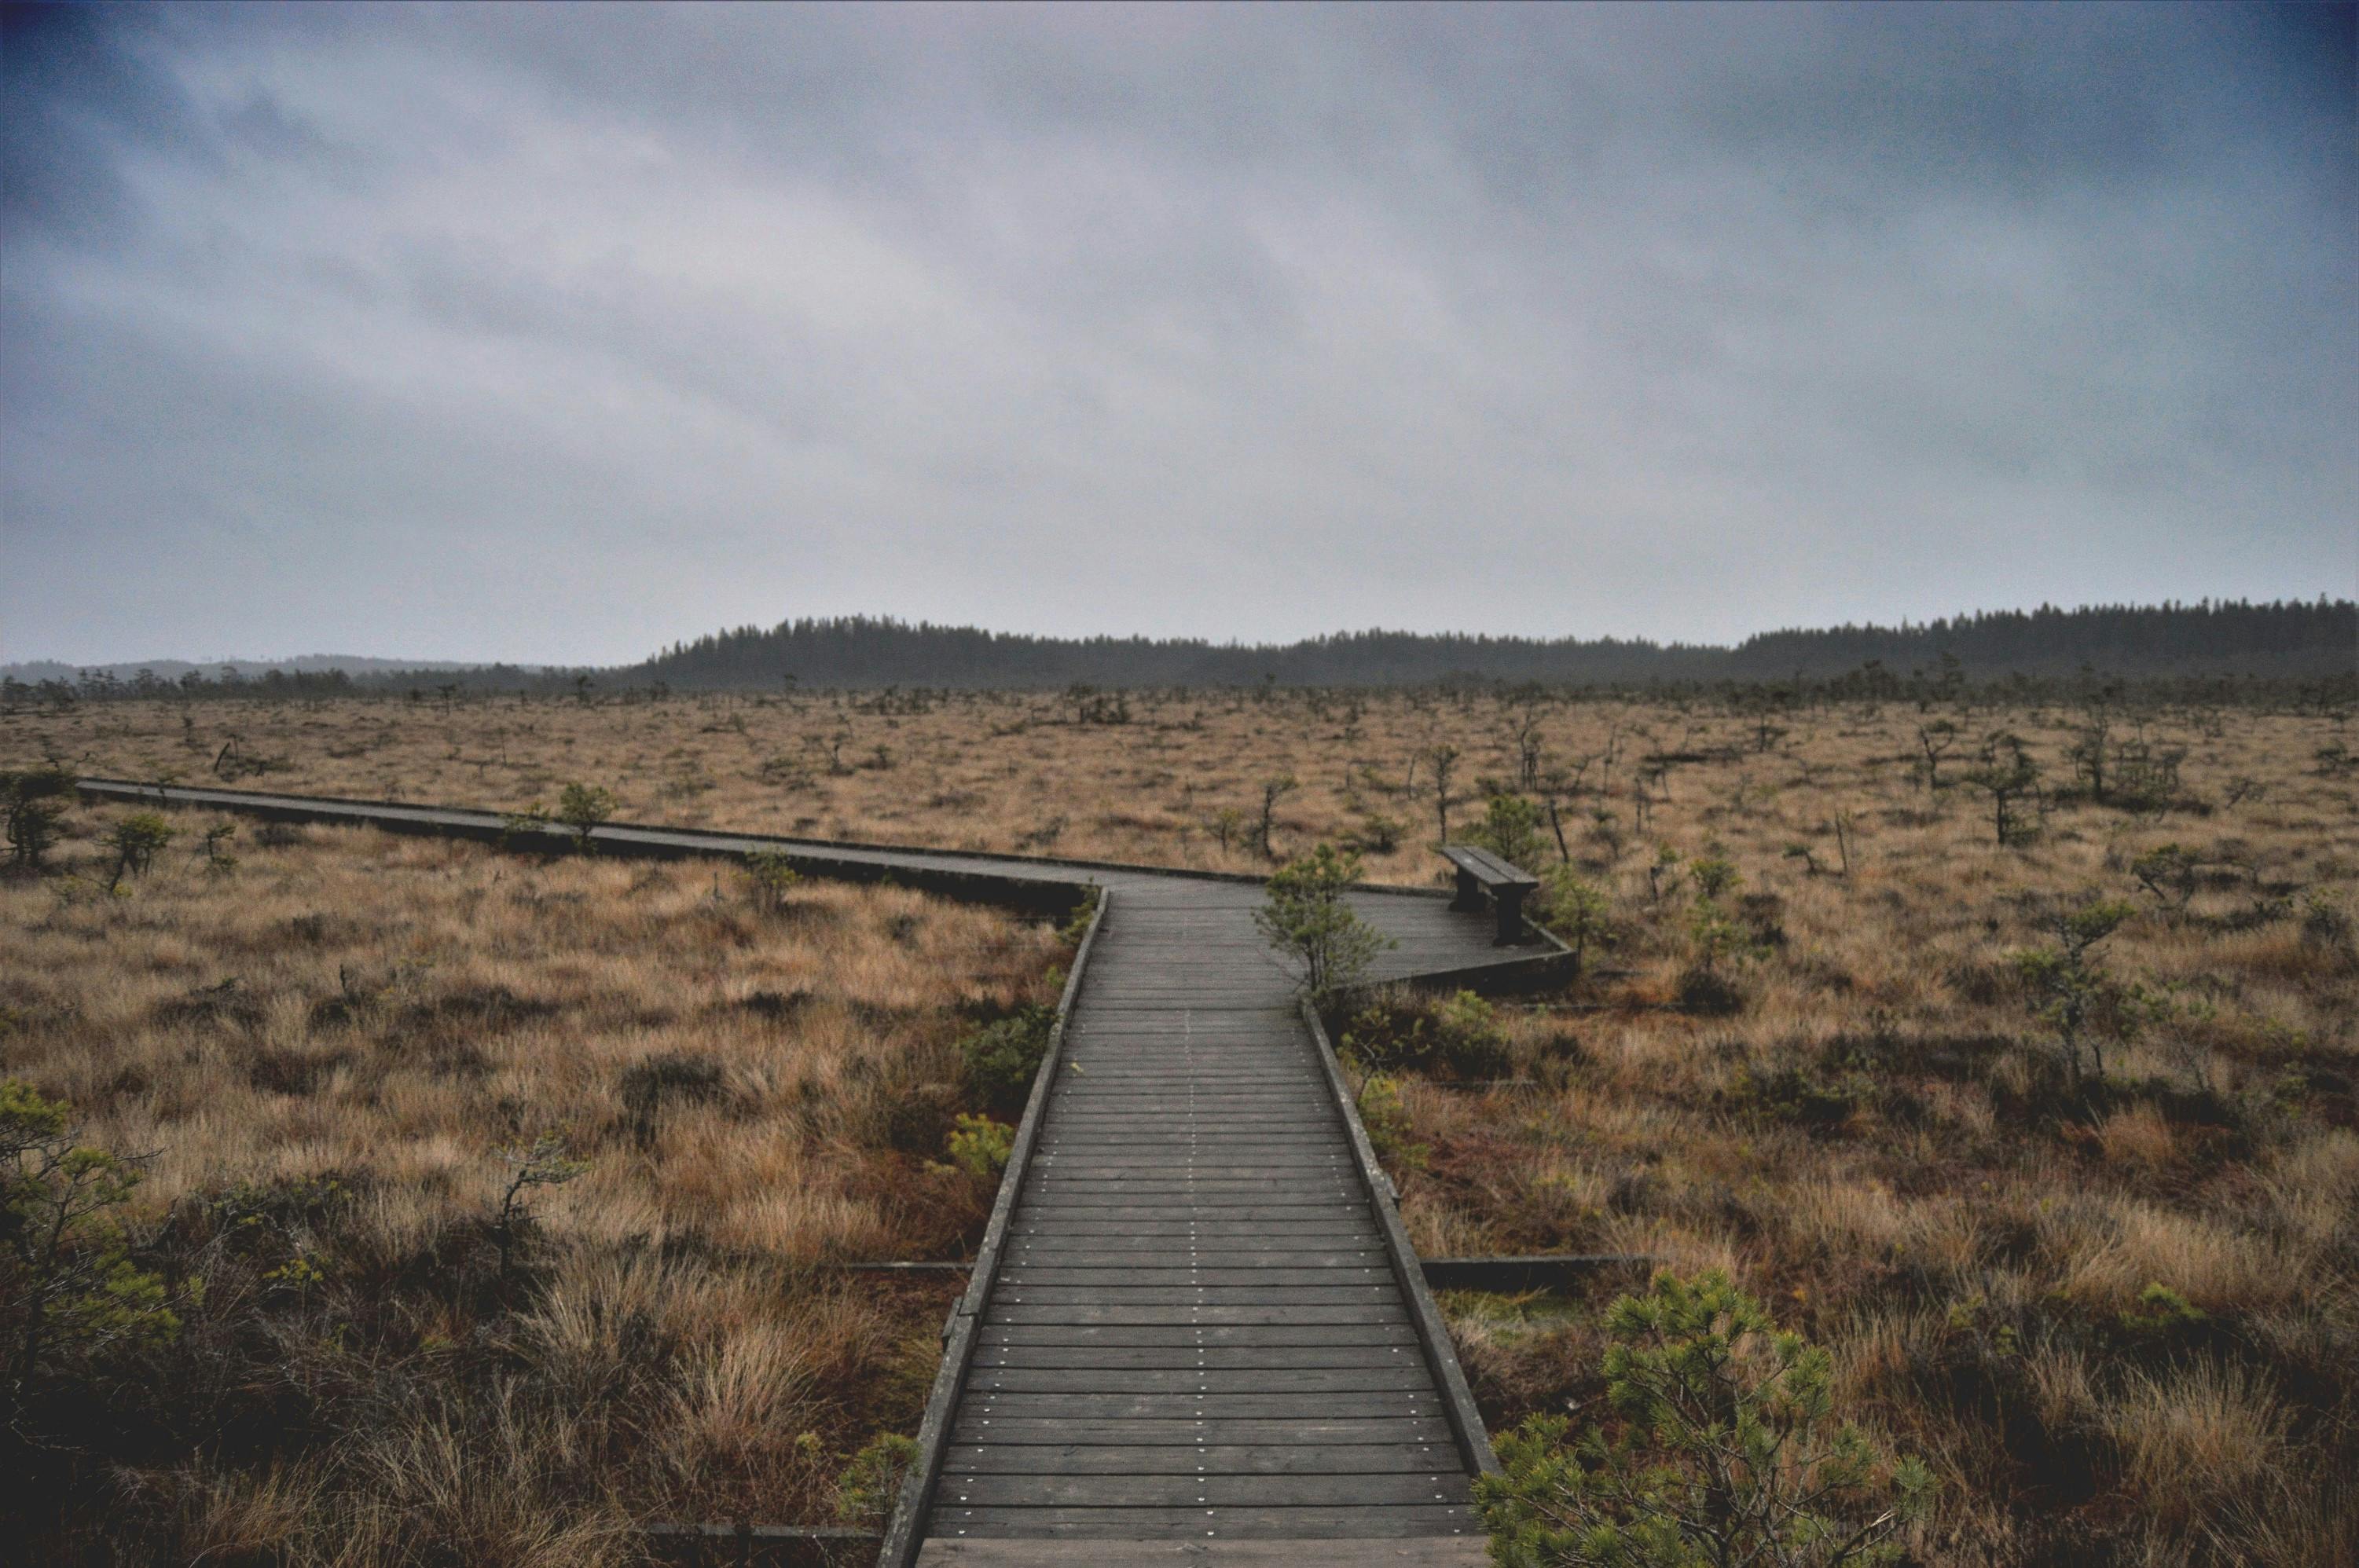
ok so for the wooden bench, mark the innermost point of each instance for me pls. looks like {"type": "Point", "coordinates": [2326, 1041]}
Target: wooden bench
{"type": "Point", "coordinates": [1481, 872]}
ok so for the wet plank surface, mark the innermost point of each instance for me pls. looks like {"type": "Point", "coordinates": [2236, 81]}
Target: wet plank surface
{"type": "Point", "coordinates": [1196, 1331]}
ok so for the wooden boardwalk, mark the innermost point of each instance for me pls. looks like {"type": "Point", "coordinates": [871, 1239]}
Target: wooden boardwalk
{"type": "Point", "coordinates": [1195, 1332]}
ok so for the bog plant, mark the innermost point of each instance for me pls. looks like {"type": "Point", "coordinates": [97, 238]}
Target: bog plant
{"type": "Point", "coordinates": [1510, 829]}
{"type": "Point", "coordinates": [1001, 1059]}
{"type": "Point", "coordinates": [772, 875]}
{"type": "Point", "coordinates": [1307, 918]}
{"type": "Point", "coordinates": [2007, 775]}
{"type": "Point", "coordinates": [69, 1284]}
{"type": "Point", "coordinates": [1577, 910]}
{"type": "Point", "coordinates": [582, 807]}
{"type": "Point", "coordinates": [872, 1480]}
{"type": "Point", "coordinates": [1725, 1452]}
{"type": "Point", "coordinates": [1716, 940]}
{"type": "Point", "coordinates": [137, 841]}
{"type": "Point", "coordinates": [981, 1147]}
{"type": "Point", "coordinates": [1388, 1124]}
{"type": "Point", "coordinates": [544, 1162]}
{"type": "Point", "coordinates": [32, 800]}
{"type": "Point", "coordinates": [2067, 988]}
{"type": "Point", "coordinates": [1460, 1038]}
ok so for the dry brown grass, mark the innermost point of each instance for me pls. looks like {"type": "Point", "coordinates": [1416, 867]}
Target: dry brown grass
{"type": "Point", "coordinates": [1876, 1141]}
{"type": "Point", "coordinates": [388, 1014]}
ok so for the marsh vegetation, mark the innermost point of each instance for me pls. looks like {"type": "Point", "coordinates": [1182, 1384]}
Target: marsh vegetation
{"type": "Point", "coordinates": [2001, 1042]}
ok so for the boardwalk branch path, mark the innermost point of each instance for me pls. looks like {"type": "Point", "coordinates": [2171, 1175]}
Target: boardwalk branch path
{"type": "Point", "coordinates": [1195, 1333]}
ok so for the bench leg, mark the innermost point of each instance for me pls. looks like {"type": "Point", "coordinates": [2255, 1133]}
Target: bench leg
{"type": "Point", "coordinates": [1470, 894]}
{"type": "Point", "coordinates": [1511, 916]}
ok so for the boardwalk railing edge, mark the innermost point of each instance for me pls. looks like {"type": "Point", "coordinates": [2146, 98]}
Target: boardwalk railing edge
{"type": "Point", "coordinates": [1432, 1334]}
{"type": "Point", "coordinates": [906, 1531]}
{"type": "Point", "coordinates": [350, 807]}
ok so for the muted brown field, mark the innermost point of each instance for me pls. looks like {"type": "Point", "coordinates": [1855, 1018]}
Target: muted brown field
{"type": "Point", "coordinates": [1874, 1141]}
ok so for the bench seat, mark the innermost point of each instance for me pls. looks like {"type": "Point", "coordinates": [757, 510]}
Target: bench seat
{"type": "Point", "coordinates": [1482, 873]}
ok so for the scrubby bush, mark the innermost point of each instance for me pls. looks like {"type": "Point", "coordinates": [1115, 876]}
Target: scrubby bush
{"type": "Point", "coordinates": [1389, 1125]}
{"type": "Point", "coordinates": [1460, 1037]}
{"type": "Point", "coordinates": [981, 1147]}
{"type": "Point", "coordinates": [2007, 774]}
{"type": "Point", "coordinates": [1306, 917]}
{"type": "Point", "coordinates": [69, 1286]}
{"type": "Point", "coordinates": [32, 800]}
{"type": "Point", "coordinates": [772, 875]}
{"type": "Point", "coordinates": [582, 807]}
{"type": "Point", "coordinates": [137, 841]}
{"type": "Point", "coordinates": [1510, 829]}
{"type": "Point", "coordinates": [1001, 1059]}
{"type": "Point", "coordinates": [544, 1162]}
{"type": "Point", "coordinates": [1577, 911]}
{"type": "Point", "coordinates": [872, 1480]}
{"type": "Point", "coordinates": [1726, 1450]}
{"type": "Point", "coordinates": [2068, 990]}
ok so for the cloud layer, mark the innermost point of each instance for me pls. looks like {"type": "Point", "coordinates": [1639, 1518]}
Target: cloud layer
{"type": "Point", "coordinates": [549, 333]}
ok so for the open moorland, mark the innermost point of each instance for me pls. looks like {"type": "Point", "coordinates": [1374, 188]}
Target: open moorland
{"type": "Point", "coordinates": [2007, 1048]}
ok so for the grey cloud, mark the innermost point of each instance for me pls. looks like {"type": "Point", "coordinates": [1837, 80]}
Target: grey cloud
{"type": "Point", "coordinates": [1670, 321]}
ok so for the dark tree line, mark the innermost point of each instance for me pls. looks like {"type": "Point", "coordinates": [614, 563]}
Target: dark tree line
{"type": "Point", "coordinates": [2287, 640]}
{"type": "Point", "coordinates": [2297, 641]}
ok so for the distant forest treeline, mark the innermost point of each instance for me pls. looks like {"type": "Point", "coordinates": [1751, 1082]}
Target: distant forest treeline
{"type": "Point", "coordinates": [2291, 639]}
{"type": "Point", "coordinates": [2288, 640]}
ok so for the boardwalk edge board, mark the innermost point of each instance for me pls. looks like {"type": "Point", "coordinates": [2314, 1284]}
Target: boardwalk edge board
{"type": "Point", "coordinates": [906, 1530]}
{"type": "Point", "coordinates": [1432, 1334]}
{"type": "Point", "coordinates": [347, 808]}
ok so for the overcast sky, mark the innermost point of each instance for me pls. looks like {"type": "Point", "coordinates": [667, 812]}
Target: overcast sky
{"type": "Point", "coordinates": [554, 333]}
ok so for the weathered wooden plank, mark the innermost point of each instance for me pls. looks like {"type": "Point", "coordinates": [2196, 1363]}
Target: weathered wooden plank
{"type": "Point", "coordinates": [1216, 1432]}
{"type": "Point", "coordinates": [1213, 1488]}
{"type": "Point", "coordinates": [1349, 1293]}
{"type": "Point", "coordinates": [1219, 1551]}
{"type": "Point", "coordinates": [1031, 1276]}
{"type": "Point", "coordinates": [1079, 1406]}
{"type": "Point", "coordinates": [1393, 1379]}
{"type": "Point", "coordinates": [1183, 1357]}
{"type": "Point", "coordinates": [1197, 1316]}
{"type": "Point", "coordinates": [1190, 1458]}
{"type": "Point", "coordinates": [1257, 1334]}
{"type": "Point", "coordinates": [1384, 1520]}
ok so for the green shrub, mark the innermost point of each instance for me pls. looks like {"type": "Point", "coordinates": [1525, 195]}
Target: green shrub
{"type": "Point", "coordinates": [1000, 1060]}
{"type": "Point", "coordinates": [772, 875]}
{"type": "Point", "coordinates": [1458, 1038]}
{"type": "Point", "coordinates": [137, 841]}
{"type": "Point", "coordinates": [1577, 911]}
{"type": "Point", "coordinates": [69, 1286]}
{"type": "Point", "coordinates": [32, 800]}
{"type": "Point", "coordinates": [1510, 829]}
{"type": "Point", "coordinates": [1468, 1038]}
{"type": "Point", "coordinates": [582, 807]}
{"type": "Point", "coordinates": [2068, 990]}
{"type": "Point", "coordinates": [1727, 1452]}
{"type": "Point", "coordinates": [1386, 1120]}
{"type": "Point", "coordinates": [1714, 874]}
{"type": "Point", "coordinates": [1307, 917]}
{"type": "Point", "coordinates": [871, 1483]}
{"type": "Point", "coordinates": [2163, 1314]}
{"type": "Point", "coordinates": [1077, 925]}
{"type": "Point", "coordinates": [980, 1147]}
